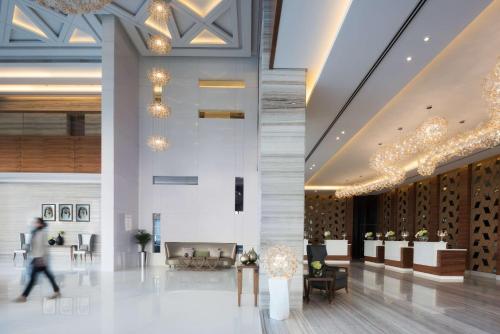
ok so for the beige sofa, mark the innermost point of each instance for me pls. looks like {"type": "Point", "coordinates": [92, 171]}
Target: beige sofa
{"type": "Point", "coordinates": [175, 254]}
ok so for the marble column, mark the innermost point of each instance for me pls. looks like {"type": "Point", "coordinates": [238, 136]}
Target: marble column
{"type": "Point", "coordinates": [281, 157]}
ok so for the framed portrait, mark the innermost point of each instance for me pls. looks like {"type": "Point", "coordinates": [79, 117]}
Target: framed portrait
{"type": "Point", "coordinates": [82, 212]}
{"type": "Point", "coordinates": [66, 212]}
{"type": "Point", "coordinates": [49, 212]}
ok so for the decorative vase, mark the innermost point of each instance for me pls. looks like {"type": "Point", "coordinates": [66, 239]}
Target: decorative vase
{"type": "Point", "coordinates": [426, 238]}
{"type": "Point", "coordinates": [52, 242]}
{"type": "Point", "coordinates": [391, 238]}
{"type": "Point", "coordinates": [252, 256]}
{"type": "Point", "coordinates": [59, 240]}
{"type": "Point", "coordinates": [143, 257]}
{"type": "Point", "coordinates": [317, 272]}
{"type": "Point", "coordinates": [244, 259]}
{"type": "Point", "coordinates": [369, 238]}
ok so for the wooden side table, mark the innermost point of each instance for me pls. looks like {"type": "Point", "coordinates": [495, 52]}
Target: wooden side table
{"type": "Point", "coordinates": [255, 268]}
{"type": "Point", "coordinates": [329, 286]}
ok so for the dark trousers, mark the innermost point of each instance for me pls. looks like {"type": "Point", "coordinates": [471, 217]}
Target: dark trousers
{"type": "Point", "coordinates": [35, 270]}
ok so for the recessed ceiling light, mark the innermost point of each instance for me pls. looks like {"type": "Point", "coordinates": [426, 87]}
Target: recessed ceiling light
{"type": "Point", "coordinates": [400, 128]}
{"type": "Point", "coordinates": [427, 38]}
{"type": "Point", "coordinates": [429, 107]}
{"type": "Point", "coordinates": [342, 132]}
{"type": "Point", "coordinates": [408, 59]}
{"type": "Point", "coordinates": [462, 121]}
{"type": "Point", "coordinates": [337, 138]}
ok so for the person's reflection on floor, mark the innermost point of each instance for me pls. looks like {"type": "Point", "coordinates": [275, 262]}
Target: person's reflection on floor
{"type": "Point", "coordinates": [39, 264]}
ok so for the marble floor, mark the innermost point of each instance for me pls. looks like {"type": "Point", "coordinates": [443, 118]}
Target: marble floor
{"type": "Point", "coordinates": [388, 302]}
{"type": "Point", "coordinates": [155, 301]}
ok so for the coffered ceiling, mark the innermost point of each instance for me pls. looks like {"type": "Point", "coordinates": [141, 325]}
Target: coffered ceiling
{"type": "Point", "coordinates": [196, 27]}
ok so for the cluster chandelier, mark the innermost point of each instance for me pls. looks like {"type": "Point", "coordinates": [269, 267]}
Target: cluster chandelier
{"type": "Point", "coordinates": [159, 12]}
{"type": "Point", "coordinates": [158, 111]}
{"type": "Point", "coordinates": [389, 161]}
{"type": "Point", "coordinates": [74, 6]}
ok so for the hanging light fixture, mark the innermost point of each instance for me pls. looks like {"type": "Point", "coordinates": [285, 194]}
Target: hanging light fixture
{"type": "Point", "coordinates": [158, 110]}
{"type": "Point", "coordinates": [75, 6]}
{"type": "Point", "coordinates": [159, 11]}
{"type": "Point", "coordinates": [158, 143]}
{"type": "Point", "coordinates": [159, 44]}
{"type": "Point", "coordinates": [158, 76]}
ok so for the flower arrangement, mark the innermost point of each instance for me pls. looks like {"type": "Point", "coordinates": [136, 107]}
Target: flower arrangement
{"type": "Point", "coordinates": [317, 268]}
{"type": "Point", "coordinates": [422, 235]}
{"type": "Point", "coordinates": [327, 235]}
{"type": "Point", "coordinates": [390, 235]}
{"type": "Point", "coordinates": [369, 235]}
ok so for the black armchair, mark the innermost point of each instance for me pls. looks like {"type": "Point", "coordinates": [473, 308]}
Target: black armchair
{"type": "Point", "coordinates": [340, 274]}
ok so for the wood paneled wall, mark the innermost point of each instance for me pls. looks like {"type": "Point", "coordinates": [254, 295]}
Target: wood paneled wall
{"type": "Point", "coordinates": [54, 154]}
{"type": "Point", "coordinates": [50, 103]}
{"type": "Point", "coordinates": [325, 212]}
{"type": "Point", "coordinates": [465, 202]}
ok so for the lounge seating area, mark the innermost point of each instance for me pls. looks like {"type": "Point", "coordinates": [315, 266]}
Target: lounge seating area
{"type": "Point", "coordinates": [200, 255]}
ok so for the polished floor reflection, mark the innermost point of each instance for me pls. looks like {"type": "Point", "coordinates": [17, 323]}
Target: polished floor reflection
{"type": "Point", "coordinates": [156, 301]}
{"type": "Point", "coordinates": [388, 302]}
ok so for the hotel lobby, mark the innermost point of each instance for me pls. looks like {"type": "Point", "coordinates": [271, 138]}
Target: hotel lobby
{"type": "Point", "coordinates": [249, 166]}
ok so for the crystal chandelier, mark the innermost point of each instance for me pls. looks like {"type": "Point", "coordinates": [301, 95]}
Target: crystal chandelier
{"type": "Point", "coordinates": [74, 6]}
{"type": "Point", "coordinates": [158, 76]}
{"type": "Point", "coordinates": [159, 44]}
{"type": "Point", "coordinates": [159, 11]}
{"type": "Point", "coordinates": [158, 143]}
{"type": "Point", "coordinates": [158, 110]}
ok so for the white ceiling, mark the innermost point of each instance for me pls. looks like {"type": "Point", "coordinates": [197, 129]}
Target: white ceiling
{"type": "Point", "coordinates": [366, 31]}
{"type": "Point", "coordinates": [221, 27]}
{"type": "Point", "coordinates": [451, 83]}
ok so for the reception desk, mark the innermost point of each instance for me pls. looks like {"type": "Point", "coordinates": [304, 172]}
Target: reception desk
{"type": "Point", "coordinates": [433, 261]}
{"type": "Point", "coordinates": [374, 253]}
{"type": "Point", "coordinates": [398, 256]}
{"type": "Point", "coordinates": [339, 251]}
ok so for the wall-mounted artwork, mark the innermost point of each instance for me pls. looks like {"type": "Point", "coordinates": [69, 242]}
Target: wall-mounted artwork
{"type": "Point", "coordinates": [65, 212]}
{"type": "Point", "coordinates": [82, 212]}
{"type": "Point", "coordinates": [49, 212]}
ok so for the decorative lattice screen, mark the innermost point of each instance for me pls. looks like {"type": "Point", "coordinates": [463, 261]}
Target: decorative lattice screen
{"type": "Point", "coordinates": [449, 199]}
{"type": "Point", "coordinates": [423, 204]}
{"type": "Point", "coordinates": [323, 212]}
{"type": "Point", "coordinates": [485, 196]}
{"type": "Point", "coordinates": [403, 210]}
{"type": "Point", "coordinates": [387, 212]}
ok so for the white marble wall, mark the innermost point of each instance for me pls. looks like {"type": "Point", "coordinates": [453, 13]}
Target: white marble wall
{"type": "Point", "coordinates": [120, 147]}
{"type": "Point", "coordinates": [282, 138]}
{"type": "Point", "coordinates": [21, 202]}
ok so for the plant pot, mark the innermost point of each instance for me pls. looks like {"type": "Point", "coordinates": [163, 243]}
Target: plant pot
{"type": "Point", "coordinates": [369, 238]}
{"type": "Point", "coordinates": [391, 238]}
{"type": "Point", "coordinates": [423, 239]}
{"type": "Point", "coordinates": [317, 272]}
{"type": "Point", "coordinates": [52, 242]}
{"type": "Point", "coordinates": [143, 257]}
{"type": "Point", "coordinates": [59, 240]}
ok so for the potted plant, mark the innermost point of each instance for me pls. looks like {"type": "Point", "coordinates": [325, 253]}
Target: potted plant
{"type": "Point", "coordinates": [390, 235]}
{"type": "Point", "coordinates": [142, 238]}
{"type": "Point", "coordinates": [327, 235]}
{"type": "Point", "coordinates": [422, 235]}
{"type": "Point", "coordinates": [369, 235]}
{"type": "Point", "coordinates": [317, 268]}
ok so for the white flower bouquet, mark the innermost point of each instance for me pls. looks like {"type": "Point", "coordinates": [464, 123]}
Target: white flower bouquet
{"type": "Point", "coordinates": [422, 235]}
{"type": "Point", "coordinates": [369, 235]}
{"type": "Point", "coordinates": [390, 235]}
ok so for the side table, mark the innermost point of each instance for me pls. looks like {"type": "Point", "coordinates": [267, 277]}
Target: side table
{"type": "Point", "coordinates": [328, 281]}
{"type": "Point", "coordinates": [255, 268]}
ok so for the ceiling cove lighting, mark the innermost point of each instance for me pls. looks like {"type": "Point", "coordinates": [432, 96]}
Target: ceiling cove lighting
{"type": "Point", "coordinates": [81, 37]}
{"type": "Point", "coordinates": [75, 6]}
{"type": "Point", "coordinates": [50, 71]}
{"type": "Point", "coordinates": [208, 38]}
{"type": "Point", "coordinates": [442, 150]}
{"type": "Point", "coordinates": [201, 7]}
{"type": "Point", "coordinates": [225, 84]}
{"type": "Point", "coordinates": [21, 20]}
{"type": "Point", "coordinates": [160, 27]}
{"type": "Point", "coordinates": [22, 88]}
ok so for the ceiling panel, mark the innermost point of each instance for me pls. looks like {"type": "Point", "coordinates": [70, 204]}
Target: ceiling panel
{"type": "Point", "coordinates": [218, 28]}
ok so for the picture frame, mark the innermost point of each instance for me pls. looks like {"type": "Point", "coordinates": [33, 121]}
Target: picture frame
{"type": "Point", "coordinates": [82, 212]}
{"type": "Point", "coordinates": [66, 212]}
{"type": "Point", "coordinates": [49, 212]}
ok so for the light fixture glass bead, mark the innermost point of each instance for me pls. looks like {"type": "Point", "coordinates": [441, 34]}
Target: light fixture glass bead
{"type": "Point", "coordinates": [159, 76]}
{"type": "Point", "coordinates": [159, 11]}
{"type": "Point", "coordinates": [159, 45]}
{"type": "Point", "coordinates": [158, 143]}
{"type": "Point", "coordinates": [159, 110]}
{"type": "Point", "coordinates": [74, 6]}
